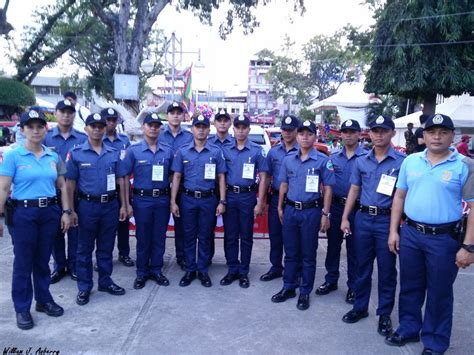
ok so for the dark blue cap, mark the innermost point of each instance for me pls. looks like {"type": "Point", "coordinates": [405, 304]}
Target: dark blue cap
{"type": "Point", "coordinates": [222, 113]}
{"type": "Point", "coordinates": [30, 116]}
{"type": "Point", "coordinates": [439, 120]}
{"type": "Point", "coordinates": [350, 124]}
{"type": "Point", "coordinates": [242, 120]}
{"type": "Point", "coordinates": [109, 113]}
{"type": "Point", "coordinates": [201, 120]}
{"type": "Point", "coordinates": [290, 122]}
{"type": "Point", "coordinates": [95, 118]}
{"type": "Point", "coordinates": [64, 104]}
{"type": "Point", "coordinates": [423, 118]}
{"type": "Point", "coordinates": [382, 122]}
{"type": "Point", "coordinates": [152, 118]}
{"type": "Point", "coordinates": [175, 106]}
{"type": "Point", "coordinates": [309, 125]}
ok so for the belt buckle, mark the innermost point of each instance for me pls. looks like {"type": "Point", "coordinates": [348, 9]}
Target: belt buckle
{"type": "Point", "coordinates": [236, 189]}
{"type": "Point", "coordinates": [373, 210]}
{"type": "Point", "coordinates": [420, 228]}
{"type": "Point", "coordinates": [197, 194]}
{"type": "Point", "coordinates": [155, 192]}
{"type": "Point", "coordinates": [104, 198]}
{"type": "Point", "coordinates": [43, 202]}
{"type": "Point", "coordinates": [298, 205]}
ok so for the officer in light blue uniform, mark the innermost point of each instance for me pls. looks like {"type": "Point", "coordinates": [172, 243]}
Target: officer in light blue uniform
{"type": "Point", "coordinates": [244, 159]}
{"type": "Point", "coordinates": [94, 169]}
{"type": "Point", "coordinates": [373, 177]}
{"type": "Point", "coordinates": [149, 162]}
{"type": "Point", "coordinates": [176, 137]}
{"type": "Point", "coordinates": [275, 157]}
{"type": "Point", "coordinates": [198, 164]}
{"type": "Point", "coordinates": [428, 240]}
{"type": "Point", "coordinates": [343, 162]}
{"type": "Point", "coordinates": [62, 139]}
{"type": "Point", "coordinates": [33, 216]}
{"type": "Point", "coordinates": [302, 213]}
{"type": "Point", "coordinates": [120, 142]}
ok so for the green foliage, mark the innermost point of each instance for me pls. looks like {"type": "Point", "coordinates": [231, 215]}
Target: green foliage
{"type": "Point", "coordinates": [306, 115]}
{"type": "Point", "coordinates": [418, 49]}
{"type": "Point", "coordinates": [15, 94]}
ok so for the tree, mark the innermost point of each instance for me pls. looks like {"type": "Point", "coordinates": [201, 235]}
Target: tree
{"type": "Point", "coordinates": [5, 27]}
{"type": "Point", "coordinates": [423, 48]}
{"type": "Point", "coordinates": [14, 96]}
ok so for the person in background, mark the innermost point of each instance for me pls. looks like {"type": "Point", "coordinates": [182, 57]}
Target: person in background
{"type": "Point", "coordinates": [81, 112]}
{"type": "Point", "coordinates": [335, 146]}
{"type": "Point", "coordinates": [410, 139]}
{"type": "Point", "coordinates": [463, 146]}
{"type": "Point", "coordinates": [420, 142]}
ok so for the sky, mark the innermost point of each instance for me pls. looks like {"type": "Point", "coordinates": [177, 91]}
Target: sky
{"type": "Point", "coordinates": [226, 62]}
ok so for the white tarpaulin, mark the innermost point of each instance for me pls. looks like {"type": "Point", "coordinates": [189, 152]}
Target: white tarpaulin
{"type": "Point", "coordinates": [459, 108]}
{"type": "Point", "coordinates": [353, 113]}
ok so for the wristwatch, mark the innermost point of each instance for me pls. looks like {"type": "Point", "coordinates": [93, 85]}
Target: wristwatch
{"type": "Point", "coordinates": [68, 211]}
{"type": "Point", "coordinates": [328, 215]}
{"type": "Point", "coordinates": [224, 202]}
{"type": "Point", "coordinates": [468, 247]}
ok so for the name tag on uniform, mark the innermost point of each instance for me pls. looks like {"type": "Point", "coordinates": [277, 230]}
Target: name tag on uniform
{"type": "Point", "coordinates": [157, 173]}
{"type": "Point", "coordinates": [312, 183]}
{"type": "Point", "coordinates": [122, 154]}
{"type": "Point", "coordinates": [248, 171]}
{"type": "Point", "coordinates": [210, 171]}
{"type": "Point", "coordinates": [386, 184]}
{"type": "Point", "coordinates": [111, 182]}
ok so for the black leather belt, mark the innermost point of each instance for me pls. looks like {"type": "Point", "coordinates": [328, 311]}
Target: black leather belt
{"type": "Point", "coordinates": [38, 202]}
{"type": "Point", "coordinates": [199, 194]}
{"type": "Point", "coordinates": [239, 189]}
{"type": "Point", "coordinates": [339, 200]}
{"type": "Point", "coordinates": [151, 192]}
{"type": "Point", "coordinates": [274, 192]}
{"type": "Point", "coordinates": [104, 198]}
{"type": "Point", "coordinates": [374, 210]}
{"type": "Point", "coordinates": [299, 205]}
{"type": "Point", "coordinates": [433, 229]}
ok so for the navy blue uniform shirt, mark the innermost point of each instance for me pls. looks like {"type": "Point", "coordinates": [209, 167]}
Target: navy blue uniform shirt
{"type": "Point", "coordinates": [55, 141]}
{"type": "Point", "coordinates": [182, 138]}
{"type": "Point", "coordinates": [140, 161]}
{"type": "Point", "coordinates": [274, 160]}
{"type": "Point", "coordinates": [343, 170]}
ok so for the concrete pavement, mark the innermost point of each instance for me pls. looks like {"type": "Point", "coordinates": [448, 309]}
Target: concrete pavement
{"type": "Point", "coordinates": [197, 320]}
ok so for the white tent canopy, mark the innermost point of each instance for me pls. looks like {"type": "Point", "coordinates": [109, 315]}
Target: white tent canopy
{"type": "Point", "coordinates": [459, 108]}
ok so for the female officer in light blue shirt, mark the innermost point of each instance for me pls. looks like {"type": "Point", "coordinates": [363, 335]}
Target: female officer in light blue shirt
{"type": "Point", "coordinates": [34, 216]}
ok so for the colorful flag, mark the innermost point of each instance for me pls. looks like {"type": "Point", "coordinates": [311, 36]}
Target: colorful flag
{"type": "Point", "coordinates": [187, 89]}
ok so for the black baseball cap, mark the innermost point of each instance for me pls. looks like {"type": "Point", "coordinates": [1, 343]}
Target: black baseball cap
{"type": "Point", "coordinates": [201, 120]}
{"type": "Point", "coordinates": [31, 116]}
{"type": "Point", "coordinates": [109, 113]}
{"type": "Point", "coordinates": [290, 122]}
{"type": "Point", "coordinates": [95, 118]}
{"type": "Point", "coordinates": [242, 120]}
{"type": "Point", "coordinates": [439, 120]}
{"type": "Point", "coordinates": [309, 125]}
{"type": "Point", "coordinates": [64, 104]}
{"type": "Point", "coordinates": [350, 124]}
{"type": "Point", "coordinates": [175, 106]}
{"type": "Point", "coordinates": [222, 113]}
{"type": "Point", "coordinates": [152, 118]}
{"type": "Point", "coordinates": [382, 122]}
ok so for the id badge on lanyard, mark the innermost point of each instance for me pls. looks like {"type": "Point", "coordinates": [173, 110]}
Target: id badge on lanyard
{"type": "Point", "coordinates": [210, 170]}
{"type": "Point", "coordinates": [157, 173]}
{"type": "Point", "coordinates": [386, 184]}
{"type": "Point", "coordinates": [312, 182]}
{"type": "Point", "coordinates": [248, 170]}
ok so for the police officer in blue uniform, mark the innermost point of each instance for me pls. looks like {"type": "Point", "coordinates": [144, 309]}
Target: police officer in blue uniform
{"type": "Point", "coordinates": [62, 139]}
{"type": "Point", "coordinates": [244, 159]}
{"type": "Point", "coordinates": [343, 162]}
{"type": "Point", "coordinates": [222, 123]}
{"type": "Point", "coordinates": [275, 158]}
{"type": "Point", "coordinates": [120, 142]}
{"type": "Point", "coordinates": [198, 164]}
{"type": "Point", "coordinates": [428, 239]}
{"type": "Point", "coordinates": [302, 213]}
{"type": "Point", "coordinates": [176, 137]}
{"type": "Point", "coordinates": [33, 216]}
{"type": "Point", "coordinates": [94, 169]}
{"type": "Point", "coordinates": [150, 163]}
{"type": "Point", "coordinates": [373, 178]}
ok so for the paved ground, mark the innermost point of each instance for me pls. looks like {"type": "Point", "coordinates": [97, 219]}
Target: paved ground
{"type": "Point", "coordinates": [196, 320]}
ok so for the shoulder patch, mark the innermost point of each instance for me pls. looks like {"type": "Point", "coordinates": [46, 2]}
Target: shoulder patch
{"type": "Point", "coordinates": [330, 165]}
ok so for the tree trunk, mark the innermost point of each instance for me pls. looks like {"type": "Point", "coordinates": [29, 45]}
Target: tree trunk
{"type": "Point", "coordinates": [429, 104]}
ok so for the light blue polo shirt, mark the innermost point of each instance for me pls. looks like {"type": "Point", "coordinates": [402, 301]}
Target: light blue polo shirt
{"type": "Point", "coordinates": [32, 178]}
{"type": "Point", "coordinates": [433, 192]}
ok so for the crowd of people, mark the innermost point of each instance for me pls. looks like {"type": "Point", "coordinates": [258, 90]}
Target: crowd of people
{"type": "Point", "coordinates": [85, 187]}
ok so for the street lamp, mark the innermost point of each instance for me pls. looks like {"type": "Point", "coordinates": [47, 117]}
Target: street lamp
{"type": "Point", "coordinates": [147, 66]}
